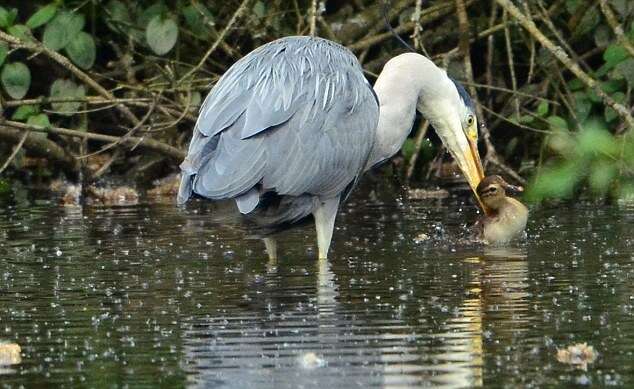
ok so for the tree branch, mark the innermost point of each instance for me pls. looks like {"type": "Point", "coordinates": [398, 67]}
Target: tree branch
{"type": "Point", "coordinates": [561, 55]}
{"type": "Point", "coordinates": [131, 142]}
{"type": "Point", "coordinates": [616, 27]}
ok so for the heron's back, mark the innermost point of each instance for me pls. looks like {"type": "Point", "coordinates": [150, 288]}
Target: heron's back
{"type": "Point", "coordinates": [294, 117]}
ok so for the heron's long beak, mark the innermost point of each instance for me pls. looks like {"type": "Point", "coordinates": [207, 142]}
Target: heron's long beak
{"type": "Point", "coordinates": [465, 152]}
{"type": "Point", "coordinates": [464, 148]}
{"type": "Point", "coordinates": [474, 173]}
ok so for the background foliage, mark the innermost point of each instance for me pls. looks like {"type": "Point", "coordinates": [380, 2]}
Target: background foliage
{"type": "Point", "coordinates": [94, 89]}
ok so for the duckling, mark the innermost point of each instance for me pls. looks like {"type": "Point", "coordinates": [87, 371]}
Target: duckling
{"type": "Point", "coordinates": [507, 218]}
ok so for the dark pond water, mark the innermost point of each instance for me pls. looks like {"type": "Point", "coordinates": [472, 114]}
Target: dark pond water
{"type": "Point", "coordinates": [151, 295]}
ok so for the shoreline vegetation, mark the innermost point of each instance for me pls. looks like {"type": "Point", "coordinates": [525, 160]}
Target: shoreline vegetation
{"type": "Point", "coordinates": [94, 92]}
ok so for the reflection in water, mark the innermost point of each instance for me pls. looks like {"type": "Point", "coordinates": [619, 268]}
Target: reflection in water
{"type": "Point", "coordinates": [496, 292]}
{"type": "Point", "coordinates": [149, 296]}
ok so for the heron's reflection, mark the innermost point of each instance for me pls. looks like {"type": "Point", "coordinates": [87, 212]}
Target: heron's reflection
{"type": "Point", "coordinates": [497, 289]}
{"type": "Point", "coordinates": [327, 293]}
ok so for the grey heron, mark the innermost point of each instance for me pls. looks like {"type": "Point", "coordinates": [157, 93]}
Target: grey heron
{"type": "Point", "coordinates": [288, 130]}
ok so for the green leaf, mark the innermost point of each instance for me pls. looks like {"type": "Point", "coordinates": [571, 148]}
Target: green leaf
{"type": "Point", "coordinates": [582, 107]}
{"type": "Point", "coordinates": [16, 79]}
{"type": "Point", "coordinates": [571, 6]}
{"type": "Point", "coordinates": [4, 51]}
{"type": "Point", "coordinates": [542, 108]}
{"type": "Point", "coordinates": [614, 54]}
{"type": "Point", "coordinates": [39, 120]}
{"type": "Point", "coordinates": [20, 31]}
{"type": "Point", "coordinates": [561, 142]}
{"type": "Point", "coordinates": [602, 36]}
{"type": "Point", "coordinates": [66, 89]}
{"type": "Point", "coordinates": [42, 16]}
{"type": "Point", "coordinates": [588, 22]}
{"type": "Point", "coordinates": [626, 69]}
{"type": "Point", "coordinates": [611, 86]}
{"type": "Point", "coordinates": [118, 16]}
{"type": "Point", "coordinates": [24, 111]}
{"type": "Point", "coordinates": [555, 182]}
{"type": "Point", "coordinates": [82, 51]}
{"type": "Point", "coordinates": [5, 187]}
{"type": "Point", "coordinates": [609, 113]}
{"type": "Point", "coordinates": [150, 13]}
{"type": "Point", "coordinates": [595, 139]}
{"type": "Point", "coordinates": [62, 29]}
{"type": "Point", "coordinates": [575, 84]}
{"type": "Point", "coordinates": [7, 17]}
{"type": "Point", "coordinates": [161, 34]}
{"type": "Point", "coordinates": [557, 123]}
{"type": "Point", "coordinates": [603, 70]}
{"type": "Point", "coordinates": [197, 18]}
{"type": "Point", "coordinates": [525, 119]}
{"type": "Point", "coordinates": [259, 9]}
{"type": "Point", "coordinates": [601, 175]}
{"type": "Point", "coordinates": [408, 149]}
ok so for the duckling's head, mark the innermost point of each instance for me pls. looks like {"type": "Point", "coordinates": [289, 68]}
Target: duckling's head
{"type": "Point", "coordinates": [492, 190]}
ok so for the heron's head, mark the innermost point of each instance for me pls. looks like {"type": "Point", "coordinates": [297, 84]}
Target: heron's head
{"type": "Point", "coordinates": [413, 78]}
{"type": "Point", "coordinates": [448, 107]}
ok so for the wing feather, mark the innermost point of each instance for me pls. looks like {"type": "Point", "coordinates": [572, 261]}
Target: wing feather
{"type": "Point", "coordinates": [294, 117]}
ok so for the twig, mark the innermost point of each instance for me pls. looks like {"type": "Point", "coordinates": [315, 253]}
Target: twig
{"type": "Point", "coordinates": [150, 144]}
{"type": "Point", "coordinates": [561, 55]}
{"type": "Point", "coordinates": [228, 49]}
{"type": "Point", "coordinates": [420, 136]}
{"type": "Point", "coordinates": [94, 100]}
{"type": "Point", "coordinates": [418, 28]}
{"type": "Point", "coordinates": [300, 17]}
{"type": "Point", "coordinates": [563, 42]}
{"type": "Point", "coordinates": [313, 17]}
{"type": "Point", "coordinates": [428, 15]}
{"type": "Point", "coordinates": [18, 147]}
{"type": "Point", "coordinates": [330, 34]}
{"type": "Point", "coordinates": [531, 47]}
{"type": "Point", "coordinates": [509, 54]}
{"type": "Point", "coordinates": [220, 38]}
{"type": "Point", "coordinates": [41, 146]}
{"type": "Point", "coordinates": [106, 165]}
{"type": "Point", "coordinates": [616, 27]}
{"type": "Point", "coordinates": [516, 124]}
{"type": "Point", "coordinates": [482, 34]}
{"type": "Point", "coordinates": [125, 137]}
{"type": "Point", "coordinates": [507, 90]}
{"type": "Point", "coordinates": [488, 75]}
{"type": "Point", "coordinates": [491, 155]}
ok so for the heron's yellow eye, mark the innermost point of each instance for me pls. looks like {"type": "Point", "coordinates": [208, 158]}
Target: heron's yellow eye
{"type": "Point", "coordinates": [472, 130]}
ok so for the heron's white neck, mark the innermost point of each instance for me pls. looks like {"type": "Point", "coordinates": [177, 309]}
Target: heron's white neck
{"type": "Point", "coordinates": [407, 82]}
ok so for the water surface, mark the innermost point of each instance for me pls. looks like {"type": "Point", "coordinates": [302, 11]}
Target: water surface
{"type": "Point", "coordinates": [152, 295]}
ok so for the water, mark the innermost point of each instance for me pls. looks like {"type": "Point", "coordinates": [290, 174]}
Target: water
{"type": "Point", "coordinates": [150, 295]}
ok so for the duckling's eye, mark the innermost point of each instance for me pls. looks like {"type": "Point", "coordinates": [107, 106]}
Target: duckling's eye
{"type": "Point", "coordinates": [491, 189]}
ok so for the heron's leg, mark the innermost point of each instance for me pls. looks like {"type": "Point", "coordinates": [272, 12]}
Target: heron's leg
{"type": "Point", "coordinates": [325, 214]}
{"type": "Point", "coordinates": [271, 247]}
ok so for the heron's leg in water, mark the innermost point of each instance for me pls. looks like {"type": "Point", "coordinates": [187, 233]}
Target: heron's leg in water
{"type": "Point", "coordinates": [325, 214]}
{"type": "Point", "coordinates": [271, 247]}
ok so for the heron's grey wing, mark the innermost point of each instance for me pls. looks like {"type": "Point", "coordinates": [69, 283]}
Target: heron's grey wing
{"type": "Point", "coordinates": [294, 116]}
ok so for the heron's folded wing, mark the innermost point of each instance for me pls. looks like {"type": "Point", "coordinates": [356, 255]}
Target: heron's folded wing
{"type": "Point", "coordinates": [296, 116]}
